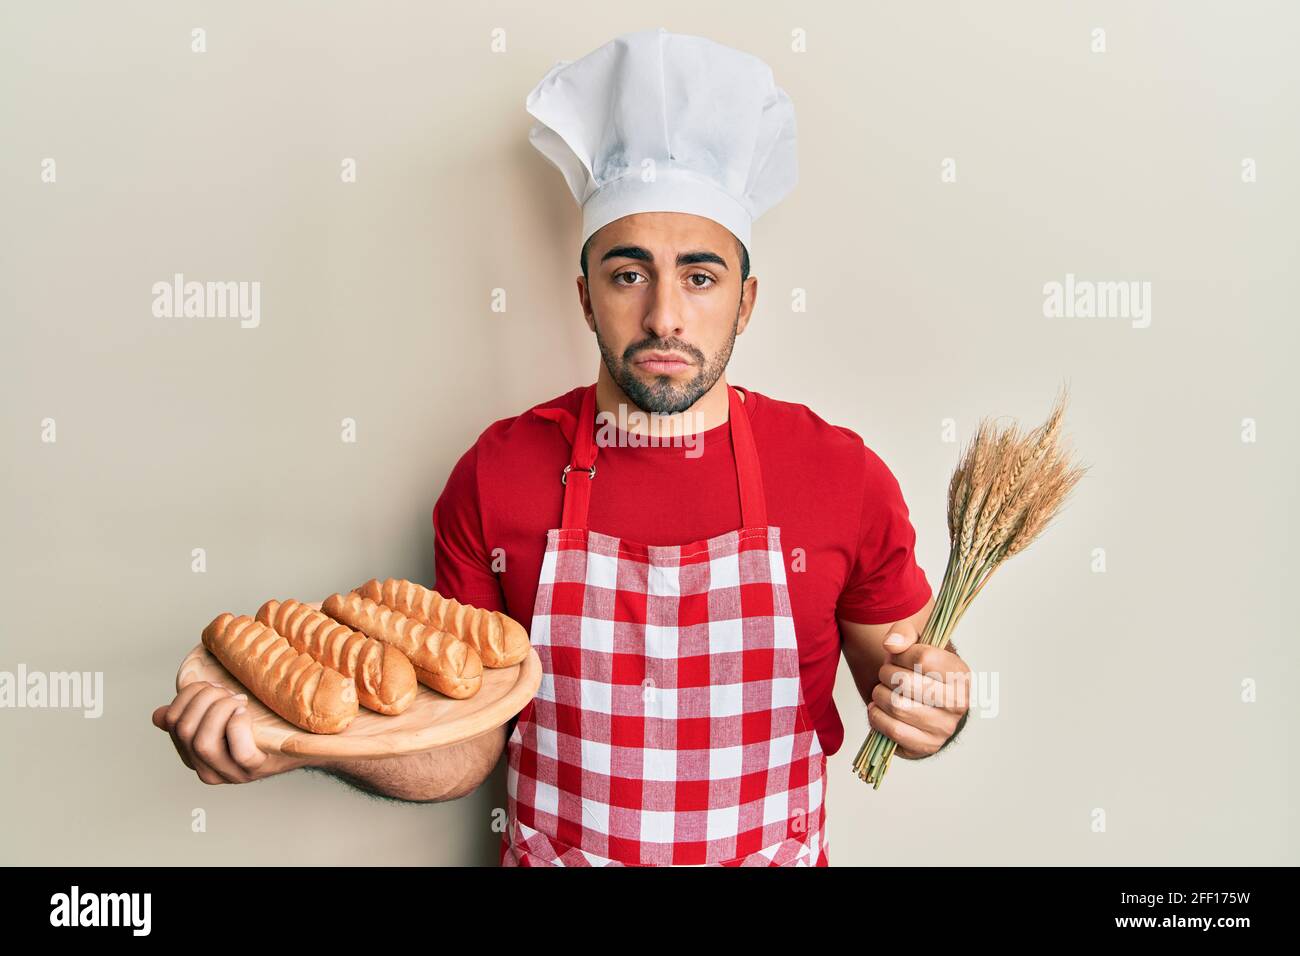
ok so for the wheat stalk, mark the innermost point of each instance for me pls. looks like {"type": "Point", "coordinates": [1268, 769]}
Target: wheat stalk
{"type": "Point", "coordinates": [1002, 495]}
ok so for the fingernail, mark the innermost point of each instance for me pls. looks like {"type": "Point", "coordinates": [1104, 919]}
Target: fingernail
{"type": "Point", "coordinates": [241, 697]}
{"type": "Point", "coordinates": [240, 710]}
{"type": "Point", "coordinates": [895, 640]}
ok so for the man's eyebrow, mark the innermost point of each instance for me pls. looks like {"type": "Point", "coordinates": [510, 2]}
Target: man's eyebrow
{"type": "Point", "coordinates": [690, 258]}
{"type": "Point", "coordinates": [644, 255]}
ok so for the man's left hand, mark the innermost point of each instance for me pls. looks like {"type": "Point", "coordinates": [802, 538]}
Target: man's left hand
{"type": "Point", "coordinates": [919, 711]}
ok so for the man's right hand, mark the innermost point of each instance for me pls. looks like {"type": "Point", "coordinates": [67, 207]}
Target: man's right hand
{"type": "Point", "coordinates": [214, 736]}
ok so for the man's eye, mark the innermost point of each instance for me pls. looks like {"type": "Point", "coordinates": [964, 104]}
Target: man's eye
{"type": "Point", "coordinates": [628, 273]}
{"type": "Point", "coordinates": [702, 275]}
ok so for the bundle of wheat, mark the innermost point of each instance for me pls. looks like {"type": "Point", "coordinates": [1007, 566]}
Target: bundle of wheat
{"type": "Point", "coordinates": [1002, 495]}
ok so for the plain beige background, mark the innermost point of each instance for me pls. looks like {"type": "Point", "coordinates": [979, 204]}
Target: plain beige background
{"type": "Point", "coordinates": [1118, 691]}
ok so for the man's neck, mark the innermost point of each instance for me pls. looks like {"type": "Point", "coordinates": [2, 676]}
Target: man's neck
{"type": "Point", "coordinates": [709, 411]}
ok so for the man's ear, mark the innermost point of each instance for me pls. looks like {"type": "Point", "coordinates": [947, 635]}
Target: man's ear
{"type": "Point", "coordinates": [748, 296]}
{"type": "Point", "coordinates": [584, 303]}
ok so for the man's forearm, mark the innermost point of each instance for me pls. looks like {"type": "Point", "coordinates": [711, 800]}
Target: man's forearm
{"type": "Point", "coordinates": [429, 776]}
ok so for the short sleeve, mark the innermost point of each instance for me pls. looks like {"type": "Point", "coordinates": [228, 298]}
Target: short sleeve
{"type": "Point", "coordinates": [462, 566]}
{"type": "Point", "coordinates": [885, 584]}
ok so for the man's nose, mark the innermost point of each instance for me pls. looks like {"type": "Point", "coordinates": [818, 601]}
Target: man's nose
{"type": "Point", "coordinates": [664, 316]}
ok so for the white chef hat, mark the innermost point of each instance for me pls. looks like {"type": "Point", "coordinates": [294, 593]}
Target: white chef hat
{"type": "Point", "coordinates": [662, 122]}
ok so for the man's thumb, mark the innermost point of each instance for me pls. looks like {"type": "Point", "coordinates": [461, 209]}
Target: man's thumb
{"type": "Point", "coordinates": [898, 641]}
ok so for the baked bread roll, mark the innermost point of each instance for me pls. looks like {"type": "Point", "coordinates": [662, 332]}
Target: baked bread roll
{"type": "Point", "coordinates": [294, 685]}
{"type": "Point", "coordinates": [384, 676]}
{"type": "Point", "coordinates": [442, 661]}
{"type": "Point", "coordinates": [500, 640]}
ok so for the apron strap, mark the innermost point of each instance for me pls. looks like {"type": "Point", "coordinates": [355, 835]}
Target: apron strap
{"type": "Point", "coordinates": [753, 502]}
{"type": "Point", "coordinates": [581, 472]}
{"type": "Point", "coordinates": [582, 464]}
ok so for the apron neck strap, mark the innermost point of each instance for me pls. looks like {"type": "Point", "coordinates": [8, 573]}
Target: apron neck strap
{"type": "Point", "coordinates": [580, 475]}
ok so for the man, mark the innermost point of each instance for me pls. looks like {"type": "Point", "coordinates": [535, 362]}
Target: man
{"type": "Point", "coordinates": [690, 558]}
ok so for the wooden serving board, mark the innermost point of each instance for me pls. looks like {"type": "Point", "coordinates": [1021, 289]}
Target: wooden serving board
{"type": "Point", "coordinates": [432, 720]}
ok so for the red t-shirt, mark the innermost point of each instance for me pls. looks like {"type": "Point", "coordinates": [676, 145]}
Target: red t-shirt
{"type": "Point", "coordinates": [848, 542]}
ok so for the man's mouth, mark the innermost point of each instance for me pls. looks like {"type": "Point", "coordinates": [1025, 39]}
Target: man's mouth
{"type": "Point", "coordinates": [662, 362]}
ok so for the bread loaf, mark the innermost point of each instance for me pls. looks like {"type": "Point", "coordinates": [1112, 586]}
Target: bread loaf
{"type": "Point", "coordinates": [384, 676]}
{"type": "Point", "coordinates": [294, 685]}
{"type": "Point", "coordinates": [500, 640]}
{"type": "Point", "coordinates": [442, 660]}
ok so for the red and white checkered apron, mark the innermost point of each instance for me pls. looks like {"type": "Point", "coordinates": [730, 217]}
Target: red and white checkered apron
{"type": "Point", "coordinates": [670, 726]}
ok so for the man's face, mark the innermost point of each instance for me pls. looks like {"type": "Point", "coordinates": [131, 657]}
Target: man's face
{"type": "Point", "coordinates": [666, 303]}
